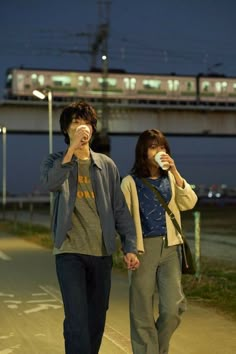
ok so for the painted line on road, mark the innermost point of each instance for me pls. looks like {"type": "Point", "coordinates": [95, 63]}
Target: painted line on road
{"type": "Point", "coordinates": [118, 339]}
{"type": "Point", "coordinates": [52, 292]}
{"type": "Point", "coordinates": [111, 334]}
{"type": "Point", "coordinates": [4, 256]}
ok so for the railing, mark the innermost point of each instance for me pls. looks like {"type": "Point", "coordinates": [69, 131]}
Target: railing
{"type": "Point", "coordinates": [23, 208]}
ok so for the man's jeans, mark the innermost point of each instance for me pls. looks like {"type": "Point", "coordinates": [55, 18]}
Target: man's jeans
{"type": "Point", "coordinates": [85, 283]}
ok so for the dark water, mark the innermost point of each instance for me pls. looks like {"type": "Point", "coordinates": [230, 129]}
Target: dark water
{"type": "Point", "coordinates": [201, 160]}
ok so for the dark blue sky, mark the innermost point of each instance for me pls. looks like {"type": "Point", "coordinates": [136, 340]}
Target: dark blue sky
{"type": "Point", "coordinates": [152, 36]}
{"type": "Point", "coordinates": [157, 36]}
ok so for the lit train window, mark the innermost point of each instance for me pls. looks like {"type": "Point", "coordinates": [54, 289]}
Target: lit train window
{"type": "Point", "coordinates": [234, 86]}
{"type": "Point", "coordinates": [221, 86]}
{"type": "Point", "coordinates": [152, 84]}
{"type": "Point", "coordinates": [20, 81]}
{"type": "Point", "coordinates": [34, 79]}
{"type": "Point", "coordinates": [41, 80]}
{"type": "Point", "coordinates": [61, 80]}
{"type": "Point", "coordinates": [205, 86]}
{"type": "Point", "coordinates": [130, 83]}
{"type": "Point", "coordinates": [173, 85]}
{"type": "Point", "coordinates": [37, 80]}
{"type": "Point", "coordinates": [84, 81]}
{"type": "Point", "coordinates": [111, 83]}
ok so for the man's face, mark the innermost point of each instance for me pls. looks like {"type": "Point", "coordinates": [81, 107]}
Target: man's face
{"type": "Point", "coordinates": [75, 124]}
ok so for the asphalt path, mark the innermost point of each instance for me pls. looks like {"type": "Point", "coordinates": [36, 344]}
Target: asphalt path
{"type": "Point", "coordinates": [32, 314]}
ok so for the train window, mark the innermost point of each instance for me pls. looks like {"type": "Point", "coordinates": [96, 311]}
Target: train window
{"type": "Point", "coordinates": [84, 81]}
{"type": "Point", "coordinates": [37, 80]}
{"type": "Point", "coordinates": [173, 85]}
{"type": "Point", "coordinates": [234, 86]}
{"type": "Point", "coordinates": [152, 84]}
{"type": "Point", "coordinates": [205, 86]}
{"type": "Point", "coordinates": [221, 86]}
{"type": "Point", "coordinates": [20, 82]}
{"type": "Point", "coordinates": [130, 83]}
{"type": "Point", "coordinates": [34, 79]}
{"type": "Point", "coordinates": [111, 82]}
{"type": "Point", "coordinates": [41, 80]}
{"type": "Point", "coordinates": [9, 80]}
{"type": "Point", "coordinates": [189, 86]}
{"type": "Point", "coordinates": [61, 80]}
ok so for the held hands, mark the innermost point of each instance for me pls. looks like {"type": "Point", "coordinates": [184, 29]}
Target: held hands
{"type": "Point", "coordinates": [131, 261]}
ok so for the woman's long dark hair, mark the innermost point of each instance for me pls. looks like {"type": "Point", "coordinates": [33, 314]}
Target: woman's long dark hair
{"type": "Point", "coordinates": [145, 140]}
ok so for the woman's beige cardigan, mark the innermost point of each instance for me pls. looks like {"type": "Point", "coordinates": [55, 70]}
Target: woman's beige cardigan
{"type": "Point", "coordinates": [181, 199]}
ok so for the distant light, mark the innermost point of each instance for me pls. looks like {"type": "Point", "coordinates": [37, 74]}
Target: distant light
{"type": "Point", "coordinates": [39, 94]}
{"type": "Point", "coordinates": [104, 57]}
{"type": "Point", "coordinates": [3, 130]}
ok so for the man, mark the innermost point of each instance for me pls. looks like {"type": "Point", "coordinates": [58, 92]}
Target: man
{"type": "Point", "coordinates": [89, 207]}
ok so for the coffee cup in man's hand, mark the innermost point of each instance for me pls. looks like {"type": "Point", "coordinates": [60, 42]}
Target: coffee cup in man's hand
{"type": "Point", "coordinates": [86, 131]}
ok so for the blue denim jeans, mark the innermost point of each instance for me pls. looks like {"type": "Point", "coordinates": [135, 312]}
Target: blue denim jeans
{"type": "Point", "coordinates": [159, 274]}
{"type": "Point", "coordinates": [85, 283]}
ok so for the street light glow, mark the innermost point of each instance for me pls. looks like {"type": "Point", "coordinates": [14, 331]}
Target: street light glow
{"type": "Point", "coordinates": [39, 94]}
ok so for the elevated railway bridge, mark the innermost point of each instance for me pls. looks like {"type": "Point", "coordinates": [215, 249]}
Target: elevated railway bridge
{"type": "Point", "coordinates": [174, 118]}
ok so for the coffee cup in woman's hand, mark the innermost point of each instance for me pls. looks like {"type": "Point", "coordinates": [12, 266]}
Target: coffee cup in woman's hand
{"type": "Point", "coordinates": [163, 164]}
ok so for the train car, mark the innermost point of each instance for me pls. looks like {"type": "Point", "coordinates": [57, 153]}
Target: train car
{"type": "Point", "coordinates": [217, 89]}
{"type": "Point", "coordinates": [121, 86]}
{"type": "Point", "coordinates": [20, 84]}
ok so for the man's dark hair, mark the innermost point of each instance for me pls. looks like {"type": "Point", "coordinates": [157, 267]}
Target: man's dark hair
{"type": "Point", "coordinates": [145, 140]}
{"type": "Point", "coordinates": [77, 110]}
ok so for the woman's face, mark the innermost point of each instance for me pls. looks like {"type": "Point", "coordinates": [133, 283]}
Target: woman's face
{"type": "Point", "coordinates": [153, 149]}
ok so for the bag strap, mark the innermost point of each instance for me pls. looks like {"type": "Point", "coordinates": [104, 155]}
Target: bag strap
{"type": "Point", "coordinates": [171, 215]}
{"type": "Point", "coordinates": [164, 204]}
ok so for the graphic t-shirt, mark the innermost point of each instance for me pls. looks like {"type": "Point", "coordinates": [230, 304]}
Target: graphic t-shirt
{"type": "Point", "coordinates": [85, 237]}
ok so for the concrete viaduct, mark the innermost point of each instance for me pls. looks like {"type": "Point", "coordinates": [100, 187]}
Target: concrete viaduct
{"type": "Point", "coordinates": [178, 119]}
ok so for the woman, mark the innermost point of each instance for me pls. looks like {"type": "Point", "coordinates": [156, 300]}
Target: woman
{"type": "Point", "coordinates": [158, 244]}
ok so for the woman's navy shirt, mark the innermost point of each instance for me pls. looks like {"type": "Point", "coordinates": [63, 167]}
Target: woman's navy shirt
{"type": "Point", "coordinates": [151, 212]}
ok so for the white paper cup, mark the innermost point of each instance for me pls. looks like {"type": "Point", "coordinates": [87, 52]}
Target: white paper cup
{"type": "Point", "coordinates": [85, 128]}
{"type": "Point", "coordinates": [157, 158]}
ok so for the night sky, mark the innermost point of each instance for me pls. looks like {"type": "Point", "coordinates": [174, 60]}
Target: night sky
{"type": "Point", "coordinates": [152, 36]}
{"type": "Point", "coordinates": [155, 36]}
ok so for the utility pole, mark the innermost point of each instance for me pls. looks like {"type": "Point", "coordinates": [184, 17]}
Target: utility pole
{"type": "Point", "coordinates": [99, 46]}
{"type": "Point", "coordinates": [101, 141]}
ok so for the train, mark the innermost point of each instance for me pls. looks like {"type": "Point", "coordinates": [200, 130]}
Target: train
{"type": "Point", "coordinates": [120, 86]}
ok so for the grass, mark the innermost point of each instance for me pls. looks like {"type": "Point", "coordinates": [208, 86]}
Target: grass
{"type": "Point", "coordinates": [217, 285]}
{"type": "Point", "coordinates": [34, 233]}
{"type": "Point", "coordinates": [213, 219]}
